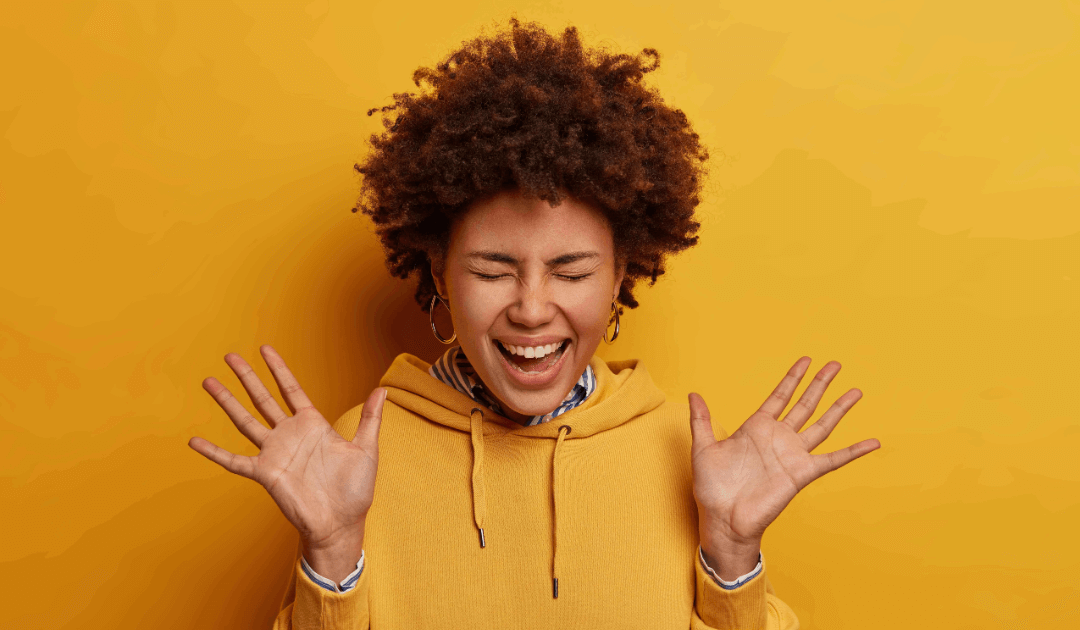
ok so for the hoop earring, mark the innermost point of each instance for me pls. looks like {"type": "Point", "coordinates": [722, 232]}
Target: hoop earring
{"type": "Point", "coordinates": [431, 318]}
{"type": "Point", "coordinates": [614, 336]}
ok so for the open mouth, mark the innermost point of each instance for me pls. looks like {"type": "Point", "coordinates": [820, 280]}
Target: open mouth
{"type": "Point", "coordinates": [536, 360]}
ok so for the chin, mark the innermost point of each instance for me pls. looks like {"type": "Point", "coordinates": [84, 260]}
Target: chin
{"type": "Point", "coordinates": [535, 405]}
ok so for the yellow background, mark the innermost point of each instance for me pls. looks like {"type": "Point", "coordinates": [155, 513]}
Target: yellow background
{"type": "Point", "coordinates": [896, 185]}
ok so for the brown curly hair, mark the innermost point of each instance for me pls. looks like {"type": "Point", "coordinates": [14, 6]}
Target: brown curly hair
{"type": "Point", "coordinates": [521, 109]}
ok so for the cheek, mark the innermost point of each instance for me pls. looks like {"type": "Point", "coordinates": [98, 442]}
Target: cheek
{"type": "Point", "coordinates": [478, 307]}
{"type": "Point", "coordinates": [588, 312]}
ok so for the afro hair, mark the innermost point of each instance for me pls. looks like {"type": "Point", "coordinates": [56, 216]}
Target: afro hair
{"type": "Point", "coordinates": [522, 109]}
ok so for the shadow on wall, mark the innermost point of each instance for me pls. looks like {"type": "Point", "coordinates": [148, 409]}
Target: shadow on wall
{"type": "Point", "coordinates": [342, 304]}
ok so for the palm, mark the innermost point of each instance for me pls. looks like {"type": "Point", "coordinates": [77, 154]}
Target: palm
{"type": "Point", "coordinates": [321, 482]}
{"type": "Point", "coordinates": [742, 483]}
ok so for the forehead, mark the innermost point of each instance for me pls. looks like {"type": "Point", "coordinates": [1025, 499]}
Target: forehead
{"type": "Point", "coordinates": [512, 223]}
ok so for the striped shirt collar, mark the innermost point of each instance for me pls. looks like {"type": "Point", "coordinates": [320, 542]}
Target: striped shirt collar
{"type": "Point", "coordinates": [454, 369]}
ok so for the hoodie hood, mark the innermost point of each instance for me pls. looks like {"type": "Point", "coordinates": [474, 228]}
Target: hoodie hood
{"type": "Point", "coordinates": [624, 391]}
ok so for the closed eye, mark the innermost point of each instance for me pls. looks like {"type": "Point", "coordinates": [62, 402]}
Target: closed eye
{"type": "Point", "coordinates": [487, 276]}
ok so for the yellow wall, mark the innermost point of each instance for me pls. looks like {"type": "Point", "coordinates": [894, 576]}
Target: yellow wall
{"type": "Point", "coordinates": [901, 193]}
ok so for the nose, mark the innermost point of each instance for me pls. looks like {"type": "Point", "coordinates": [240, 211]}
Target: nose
{"type": "Point", "coordinates": [533, 306]}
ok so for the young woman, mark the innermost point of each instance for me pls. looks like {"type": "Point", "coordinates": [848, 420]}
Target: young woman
{"type": "Point", "coordinates": [522, 481]}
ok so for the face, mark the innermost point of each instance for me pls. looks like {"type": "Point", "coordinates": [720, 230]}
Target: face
{"type": "Point", "coordinates": [530, 289]}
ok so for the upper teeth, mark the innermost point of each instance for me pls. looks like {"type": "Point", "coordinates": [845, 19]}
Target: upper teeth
{"type": "Point", "coordinates": [535, 352]}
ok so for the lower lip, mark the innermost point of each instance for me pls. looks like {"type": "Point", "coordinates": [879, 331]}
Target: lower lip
{"type": "Point", "coordinates": [539, 379]}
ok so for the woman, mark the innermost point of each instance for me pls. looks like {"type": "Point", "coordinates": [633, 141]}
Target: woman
{"type": "Point", "coordinates": [524, 482]}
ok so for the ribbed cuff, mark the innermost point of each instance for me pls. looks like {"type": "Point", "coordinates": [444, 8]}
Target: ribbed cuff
{"type": "Point", "coordinates": [316, 606]}
{"type": "Point", "coordinates": [742, 607]}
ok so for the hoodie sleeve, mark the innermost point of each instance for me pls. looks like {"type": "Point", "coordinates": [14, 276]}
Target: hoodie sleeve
{"type": "Point", "coordinates": [752, 605]}
{"type": "Point", "coordinates": [310, 606]}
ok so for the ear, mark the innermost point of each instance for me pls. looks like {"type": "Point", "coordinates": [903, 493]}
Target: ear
{"type": "Point", "coordinates": [620, 273]}
{"type": "Point", "coordinates": [440, 283]}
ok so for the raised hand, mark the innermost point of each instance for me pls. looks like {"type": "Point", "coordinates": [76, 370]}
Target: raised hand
{"type": "Point", "coordinates": [742, 483]}
{"type": "Point", "coordinates": [323, 483]}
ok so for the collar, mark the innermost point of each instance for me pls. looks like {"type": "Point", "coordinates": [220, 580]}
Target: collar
{"type": "Point", "coordinates": [454, 369]}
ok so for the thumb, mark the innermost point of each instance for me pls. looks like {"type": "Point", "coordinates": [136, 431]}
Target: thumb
{"type": "Point", "coordinates": [700, 424]}
{"type": "Point", "coordinates": [367, 432]}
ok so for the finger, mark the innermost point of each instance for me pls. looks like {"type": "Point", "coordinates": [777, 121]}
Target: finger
{"type": "Point", "coordinates": [828, 462]}
{"type": "Point", "coordinates": [778, 399]}
{"type": "Point", "coordinates": [808, 402]}
{"type": "Point", "coordinates": [367, 433]}
{"type": "Point", "coordinates": [294, 396]}
{"type": "Point", "coordinates": [244, 421]}
{"type": "Point", "coordinates": [263, 399]}
{"type": "Point", "coordinates": [816, 433]}
{"type": "Point", "coordinates": [238, 464]}
{"type": "Point", "coordinates": [701, 430]}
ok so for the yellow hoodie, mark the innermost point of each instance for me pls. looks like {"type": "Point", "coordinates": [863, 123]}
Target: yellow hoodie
{"type": "Point", "coordinates": [599, 499]}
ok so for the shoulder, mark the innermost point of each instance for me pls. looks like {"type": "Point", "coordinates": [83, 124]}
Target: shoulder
{"type": "Point", "coordinates": [347, 422]}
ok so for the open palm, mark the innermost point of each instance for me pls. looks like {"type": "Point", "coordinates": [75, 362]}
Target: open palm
{"type": "Point", "coordinates": [323, 483]}
{"type": "Point", "coordinates": [742, 483]}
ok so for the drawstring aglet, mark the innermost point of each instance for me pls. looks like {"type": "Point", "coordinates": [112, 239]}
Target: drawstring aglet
{"type": "Point", "coordinates": [555, 587]}
{"type": "Point", "coordinates": [482, 544]}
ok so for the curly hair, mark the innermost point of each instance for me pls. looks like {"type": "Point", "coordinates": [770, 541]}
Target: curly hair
{"type": "Point", "coordinates": [523, 110]}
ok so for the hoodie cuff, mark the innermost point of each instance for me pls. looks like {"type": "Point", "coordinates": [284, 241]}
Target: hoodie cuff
{"type": "Point", "coordinates": [316, 606]}
{"type": "Point", "coordinates": [742, 606]}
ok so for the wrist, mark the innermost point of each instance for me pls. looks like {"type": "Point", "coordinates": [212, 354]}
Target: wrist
{"type": "Point", "coordinates": [729, 556]}
{"type": "Point", "coordinates": [335, 558]}
{"type": "Point", "coordinates": [731, 563]}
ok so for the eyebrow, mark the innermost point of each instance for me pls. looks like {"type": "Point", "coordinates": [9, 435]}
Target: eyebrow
{"type": "Point", "coordinates": [562, 259]}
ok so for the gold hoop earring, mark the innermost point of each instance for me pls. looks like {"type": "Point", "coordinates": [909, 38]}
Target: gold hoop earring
{"type": "Point", "coordinates": [431, 318]}
{"type": "Point", "coordinates": [614, 336]}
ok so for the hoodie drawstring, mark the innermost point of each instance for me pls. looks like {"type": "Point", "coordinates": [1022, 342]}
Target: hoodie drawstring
{"type": "Point", "coordinates": [476, 422]}
{"type": "Point", "coordinates": [555, 512]}
{"type": "Point", "coordinates": [476, 426]}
